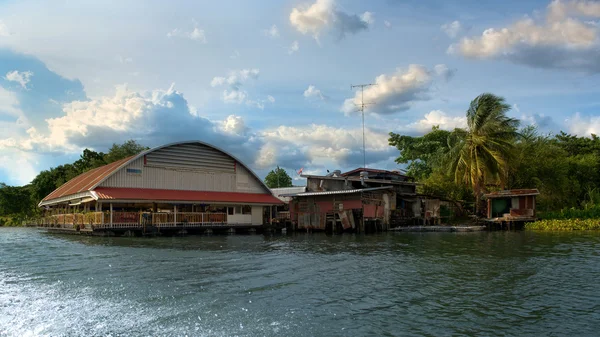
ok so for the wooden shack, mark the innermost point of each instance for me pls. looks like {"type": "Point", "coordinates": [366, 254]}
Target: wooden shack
{"type": "Point", "coordinates": [511, 205]}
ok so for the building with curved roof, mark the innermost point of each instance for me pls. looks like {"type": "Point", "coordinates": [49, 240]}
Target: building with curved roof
{"type": "Point", "coordinates": [180, 183]}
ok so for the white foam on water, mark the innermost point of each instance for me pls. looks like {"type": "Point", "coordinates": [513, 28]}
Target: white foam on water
{"type": "Point", "coordinates": [37, 309]}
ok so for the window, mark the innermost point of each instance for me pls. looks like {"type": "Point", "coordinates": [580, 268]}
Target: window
{"type": "Point", "coordinates": [238, 209]}
{"type": "Point", "coordinates": [246, 209]}
{"type": "Point", "coordinates": [229, 210]}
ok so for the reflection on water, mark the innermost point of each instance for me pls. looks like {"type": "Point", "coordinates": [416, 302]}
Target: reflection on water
{"type": "Point", "coordinates": [499, 283]}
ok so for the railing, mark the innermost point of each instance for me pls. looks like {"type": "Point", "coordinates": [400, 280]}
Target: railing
{"type": "Point", "coordinates": [132, 220]}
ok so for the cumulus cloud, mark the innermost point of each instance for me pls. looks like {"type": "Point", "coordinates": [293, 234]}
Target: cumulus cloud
{"type": "Point", "coordinates": [154, 118]}
{"type": "Point", "coordinates": [438, 118]}
{"type": "Point", "coordinates": [195, 34]}
{"type": "Point", "coordinates": [294, 47]}
{"type": "Point", "coordinates": [565, 39]}
{"type": "Point", "coordinates": [321, 146]}
{"type": "Point", "coordinates": [443, 71]}
{"type": "Point", "coordinates": [272, 32]}
{"type": "Point", "coordinates": [387, 24]}
{"type": "Point", "coordinates": [452, 29]}
{"type": "Point", "coordinates": [271, 99]}
{"type": "Point", "coordinates": [584, 125]}
{"type": "Point", "coordinates": [323, 15]}
{"type": "Point", "coordinates": [234, 125]}
{"type": "Point", "coordinates": [395, 92]}
{"type": "Point", "coordinates": [312, 92]}
{"type": "Point", "coordinates": [20, 77]}
{"type": "Point", "coordinates": [234, 81]}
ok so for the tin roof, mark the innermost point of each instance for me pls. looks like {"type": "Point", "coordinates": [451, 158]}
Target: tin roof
{"type": "Point", "coordinates": [89, 181]}
{"type": "Point", "coordinates": [120, 193]}
{"type": "Point", "coordinates": [85, 181]}
{"type": "Point", "coordinates": [371, 170]}
{"type": "Point", "coordinates": [359, 190]}
{"type": "Point", "coordinates": [513, 193]}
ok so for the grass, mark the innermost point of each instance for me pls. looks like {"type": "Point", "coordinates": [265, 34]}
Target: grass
{"type": "Point", "coordinates": [564, 225]}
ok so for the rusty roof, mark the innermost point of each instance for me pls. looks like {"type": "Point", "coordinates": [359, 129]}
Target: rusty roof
{"type": "Point", "coordinates": [513, 193]}
{"type": "Point", "coordinates": [86, 181]}
{"type": "Point", "coordinates": [373, 171]}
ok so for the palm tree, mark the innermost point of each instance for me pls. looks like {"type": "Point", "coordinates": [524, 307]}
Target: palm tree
{"type": "Point", "coordinates": [480, 154]}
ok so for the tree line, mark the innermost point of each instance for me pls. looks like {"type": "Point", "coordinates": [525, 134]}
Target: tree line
{"type": "Point", "coordinates": [494, 152]}
{"type": "Point", "coordinates": [20, 202]}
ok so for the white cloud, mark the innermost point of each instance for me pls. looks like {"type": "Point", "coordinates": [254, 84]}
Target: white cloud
{"type": "Point", "coordinates": [368, 17]}
{"type": "Point", "coordinates": [4, 30]}
{"type": "Point", "coordinates": [395, 92]}
{"type": "Point", "coordinates": [564, 40]}
{"type": "Point", "coordinates": [20, 77]}
{"type": "Point", "coordinates": [195, 34]}
{"type": "Point", "coordinates": [271, 99]}
{"type": "Point", "coordinates": [443, 71]}
{"type": "Point", "coordinates": [234, 125]}
{"type": "Point", "coordinates": [321, 145]}
{"type": "Point", "coordinates": [313, 92]}
{"type": "Point", "coordinates": [235, 54]}
{"type": "Point", "coordinates": [438, 118]}
{"type": "Point", "coordinates": [387, 24]}
{"type": "Point", "coordinates": [234, 81]}
{"type": "Point", "coordinates": [272, 32]}
{"type": "Point", "coordinates": [234, 96]}
{"type": "Point", "coordinates": [153, 118]}
{"type": "Point", "coordinates": [452, 29]}
{"type": "Point", "coordinates": [324, 14]}
{"type": "Point", "coordinates": [294, 47]}
{"type": "Point", "coordinates": [584, 126]}
{"type": "Point", "coordinates": [236, 77]}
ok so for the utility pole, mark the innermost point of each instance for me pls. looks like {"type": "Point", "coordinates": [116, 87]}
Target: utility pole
{"type": "Point", "coordinates": [361, 108]}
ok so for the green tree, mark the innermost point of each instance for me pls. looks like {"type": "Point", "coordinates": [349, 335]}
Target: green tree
{"type": "Point", "coordinates": [278, 178]}
{"type": "Point", "coordinates": [15, 200]}
{"type": "Point", "coordinates": [480, 154]}
{"type": "Point", "coordinates": [422, 154]}
{"type": "Point", "coordinates": [127, 149]}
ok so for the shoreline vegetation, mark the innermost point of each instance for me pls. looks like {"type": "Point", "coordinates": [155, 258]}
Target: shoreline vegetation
{"type": "Point", "coordinates": [564, 225]}
{"type": "Point", "coordinates": [492, 152]}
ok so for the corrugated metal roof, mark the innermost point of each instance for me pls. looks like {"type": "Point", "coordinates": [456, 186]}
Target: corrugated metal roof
{"type": "Point", "coordinates": [513, 193]}
{"type": "Point", "coordinates": [359, 190]}
{"type": "Point", "coordinates": [360, 169]}
{"type": "Point", "coordinates": [117, 193]}
{"type": "Point", "coordinates": [85, 181]}
{"type": "Point", "coordinates": [90, 180]}
{"type": "Point", "coordinates": [281, 191]}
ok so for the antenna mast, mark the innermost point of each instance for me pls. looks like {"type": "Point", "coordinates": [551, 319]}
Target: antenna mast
{"type": "Point", "coordinates": [361, 108]}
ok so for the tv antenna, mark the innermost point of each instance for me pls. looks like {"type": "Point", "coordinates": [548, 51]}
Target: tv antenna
{"type": "Point", "coordinates": [361, 108]}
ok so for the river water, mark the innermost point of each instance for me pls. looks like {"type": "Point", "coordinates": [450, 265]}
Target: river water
{"type": "Point", "coordinates": [397, 284]}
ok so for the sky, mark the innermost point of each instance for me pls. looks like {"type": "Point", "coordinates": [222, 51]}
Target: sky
{"type": "Point", "coordinates": [270, 81]}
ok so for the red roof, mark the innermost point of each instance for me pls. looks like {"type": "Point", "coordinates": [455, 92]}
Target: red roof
{"type": "Point", "coordinates": [85, 181]}
{"type": "Point", "coordinates": [119, 193]}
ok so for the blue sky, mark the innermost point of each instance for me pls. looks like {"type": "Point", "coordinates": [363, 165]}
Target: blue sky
{"type": "Point", "coordinates": [270, 81]}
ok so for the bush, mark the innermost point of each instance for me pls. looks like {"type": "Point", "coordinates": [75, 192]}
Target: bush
{"type": "Point", "coordinates": [564, 225]}
{"type": "Point", "coordinates": [572, 213]}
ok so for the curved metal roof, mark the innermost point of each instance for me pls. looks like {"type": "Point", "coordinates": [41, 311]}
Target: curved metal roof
{"type": "Point", "coordinates": [89, 180]}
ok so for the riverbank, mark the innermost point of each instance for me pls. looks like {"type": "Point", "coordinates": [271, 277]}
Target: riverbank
{"type": "Point", "coordinates": [564, 225]}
